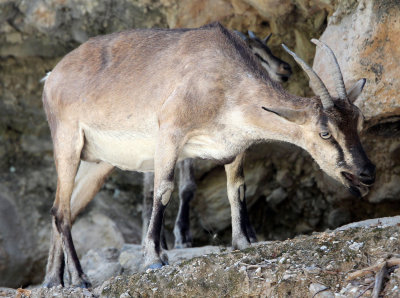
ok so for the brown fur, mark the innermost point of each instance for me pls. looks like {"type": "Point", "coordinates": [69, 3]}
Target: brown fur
{"type": "Point", "coordinates": [144, 99]}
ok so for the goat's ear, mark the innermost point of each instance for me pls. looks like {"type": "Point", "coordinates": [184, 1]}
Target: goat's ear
{"type": "Point", "coordinates": [292, 115]}
{"type": "Point", "coordinates": [355, 91]}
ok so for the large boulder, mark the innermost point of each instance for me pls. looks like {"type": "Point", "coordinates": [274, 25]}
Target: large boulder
{"type": "Point", "coordinates": [365, 40]}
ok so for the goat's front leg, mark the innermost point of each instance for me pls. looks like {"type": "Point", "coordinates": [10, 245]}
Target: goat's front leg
{"type": "Point", "coordinates": [236, 195]}
{"type": "Point", "coordinates": [164, 165]}
{"type": "Point", "coordinates": [187, 189]}
{"type": "Point", "coordinates": [148, 194]}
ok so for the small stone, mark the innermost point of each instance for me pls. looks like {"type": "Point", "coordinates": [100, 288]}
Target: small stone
{"type": "Point", "coordinates": [356, 246]}
{"type": "Point", "coordinates": [312, 269]}
{"type": "Point", "coordinates": [323, 291]}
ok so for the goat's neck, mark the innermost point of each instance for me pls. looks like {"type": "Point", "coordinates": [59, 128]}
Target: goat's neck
{"type": "Point", "coordinates": [267, 126]}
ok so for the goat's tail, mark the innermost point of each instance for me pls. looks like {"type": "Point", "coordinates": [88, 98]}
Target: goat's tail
{"type": "Point", "coordinates": [42, 80]}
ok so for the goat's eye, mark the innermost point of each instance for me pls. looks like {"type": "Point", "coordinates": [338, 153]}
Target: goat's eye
{"type": "Point", "coordinates": [325, 135]}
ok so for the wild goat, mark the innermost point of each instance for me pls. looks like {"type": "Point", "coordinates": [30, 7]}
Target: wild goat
{"type": "Point", "coordinates": [144, 99]}
{"type": "Point", "coordinates": [279, 71]}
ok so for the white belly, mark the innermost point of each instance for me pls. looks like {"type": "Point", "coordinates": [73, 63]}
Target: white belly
{"type": "Point", "coordinates": [123, 149]}
{"type": "Point", "coordinates": [135, 151]}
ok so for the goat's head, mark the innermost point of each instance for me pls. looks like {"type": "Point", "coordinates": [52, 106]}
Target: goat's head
{"type": "Point", "coordinates": [332, 127]}
{"type": "Point", "coordinates": [278, 70]}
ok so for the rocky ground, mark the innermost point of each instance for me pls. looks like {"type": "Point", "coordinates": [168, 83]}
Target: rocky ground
{"type": "Point", "coordinates": [327, 264]}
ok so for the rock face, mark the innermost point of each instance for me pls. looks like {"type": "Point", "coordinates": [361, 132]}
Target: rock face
{"type": "Point", "coordinates": [366, 44]}
{"type": "Point", "coordinates": [287, 193]}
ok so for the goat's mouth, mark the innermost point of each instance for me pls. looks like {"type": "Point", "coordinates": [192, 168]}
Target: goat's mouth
{"type": "Point", "coordinates": [356, 187]}
{"type": "Point", "coordinates": [283, 77]}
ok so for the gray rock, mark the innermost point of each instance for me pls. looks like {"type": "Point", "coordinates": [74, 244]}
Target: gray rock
{"type": "Point", "coordinates": [131, 256]}
{"type": "Point", "coordinates": [363, 38]}
{"type": "Point", "coordinates": [13, 240]}
{"type": "Point", "coordinates": [101, 264]}
{"type": "Point", "coordinates": [95, 230]}
{"type": "Point", "coordinates": [376, 222]}
{"type": "Point", "coordinates": [320, 290]}
{"type": "Point", "coordinates": [338, 217]}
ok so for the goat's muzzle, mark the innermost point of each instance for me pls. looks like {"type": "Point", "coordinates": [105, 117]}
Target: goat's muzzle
{"type": "Point", "coordinates": [359, 185]}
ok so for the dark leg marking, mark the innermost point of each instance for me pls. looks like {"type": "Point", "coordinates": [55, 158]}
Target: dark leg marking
{"type": "Point", "coordinates": [55, 264]}
{"type": "Point", "coordinates": [183, 237]}
{"type": "Point", "coordinates": [78, 278]}
{"type": "Point", "coordinates": [187, 189]}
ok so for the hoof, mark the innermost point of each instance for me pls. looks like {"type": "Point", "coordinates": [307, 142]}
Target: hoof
{"type": "Point", "coordinates": [183, 245]}
{"type": "Point", "coordinates": [253, 240]}
{"type": "Point", "coordinates": [52, 283]}
{"type": "Point", "coordinates": [83, 283]}
{"type": "Point", "coordinates": [158, 265]}
{"type": "Point", "coordinates": [155, 266]}
{"type": "Point", "coordinates": [241, 244]}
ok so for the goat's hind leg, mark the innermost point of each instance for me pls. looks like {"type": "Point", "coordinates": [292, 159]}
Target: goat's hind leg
{"type": "Point", "coordinates": [187, 189]}
{"type": "Point", "coordinates": [89, 179]}
{"type": "Point", "coordinates": [68, 143]}
{"type": "Point", "coordinates": [55, 261]}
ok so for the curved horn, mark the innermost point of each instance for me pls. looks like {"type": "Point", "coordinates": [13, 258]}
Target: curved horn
{"type": "Point", "coordinates": [251, 34]}
{"type": "Point", "coordinates": [316, 83]}
{"type": "Point", "coordinates": [336, 73]}
{"type": "Point", "coordinates": [242, 36]}
{"type": "Point", "coordinates": [265, 40]}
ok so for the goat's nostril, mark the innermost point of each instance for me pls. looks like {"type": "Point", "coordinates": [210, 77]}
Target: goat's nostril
{"type": "Point", "coordinates": [367, 175]}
